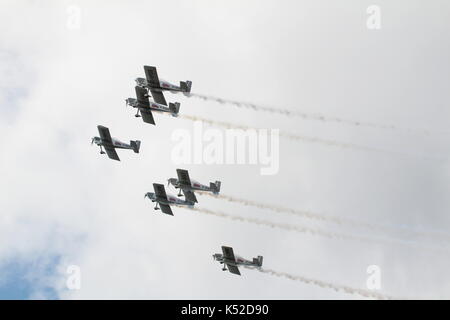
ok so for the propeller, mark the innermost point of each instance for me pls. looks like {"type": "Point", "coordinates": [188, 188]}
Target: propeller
{"type": "Point", "coordinates": [92, 141]}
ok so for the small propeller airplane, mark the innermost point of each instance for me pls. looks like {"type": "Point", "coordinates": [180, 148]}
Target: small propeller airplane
{"type": "Point", "coordinates": [232, 261]}
{"type": "Point", "coordinates": [164, 200]}
{"type": "Point", "coordinates": [111, 144]}
{"type": "Point", "coordinates": [157, 86]}
{"type": "Point", "coordinates": [188, 186]}
{"type": "Point", "coordinates": [145, 106]}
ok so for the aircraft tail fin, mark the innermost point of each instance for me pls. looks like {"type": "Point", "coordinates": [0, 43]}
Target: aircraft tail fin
{"type": "Point", "coordinates": [215, 186]}
{"type": "Point", "coordinates": [186, 86]}
{"type": "Point", "coordinates": [258, 261]}
{"type": "Point", "coordinates": [136, 145]}
{"type": "Point", "coordinates": [174, 108]}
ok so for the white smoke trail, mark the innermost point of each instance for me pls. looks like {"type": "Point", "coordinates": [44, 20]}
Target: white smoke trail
{"type": "Point", "coordinates": [312, 116]}
{"type": "Point", "coordinates": [301, 213]}
{"type": "Point", "coordinates": [288, 227]}
{"type": "Point", "coordinates": [333, 219]}
{"type": "Point", "coordinates": [295, 137]}
{"type": "Point", "coordinates": [284, 134]}
{"type": "Point", "coordinates": [323, 284]}
{"type": "Point", "coordinates": [317, 231]}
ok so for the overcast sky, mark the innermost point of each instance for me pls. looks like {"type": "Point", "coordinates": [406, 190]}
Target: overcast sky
{"type": "Point", "coordinates": [62, 203]}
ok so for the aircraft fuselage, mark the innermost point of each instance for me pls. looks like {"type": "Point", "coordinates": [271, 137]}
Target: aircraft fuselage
{"type": "Point", "coordinates": [239, 261]}
{"type": "Point", "coordinates": [171, 200]}
{"type": "Point", "coordinates": [163, 85]}
{"type": "Point", "coordinates": [115, 143]}
{"type": "Point", "coordinates": [153, 105]}
{"type": "Point", "coordinates": [194, 186]}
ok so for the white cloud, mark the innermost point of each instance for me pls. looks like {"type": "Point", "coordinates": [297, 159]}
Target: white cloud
{"type": "Point", "coordinates": [63, 198]}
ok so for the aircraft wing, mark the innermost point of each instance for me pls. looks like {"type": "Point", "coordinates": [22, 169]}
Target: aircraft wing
{"type": "Point", "coordinates": [112, 154]}
{"type": "Point", "coordinates": [190, 196]}
{"type": "Point", "coordinates": [158, 96]}
{"type": "Point", "coordinates": [183, 177]}
{"type": "Point", "coordinates": [233, 269]}
{"type": "Point", "coordinates": [147, 115]}
{"type": "Point", "coordinates": [104, 134]}
{"type": "Point", "coordinates": [141, 95]}
{"type": "Point", "coordinates": [160, 191]}
{"type": "Point", "coordinates": [166, 209]}
{"type": "Point", "coordinates": [228, 253]}
{"type": "Point", "coordinates": [152, 77]}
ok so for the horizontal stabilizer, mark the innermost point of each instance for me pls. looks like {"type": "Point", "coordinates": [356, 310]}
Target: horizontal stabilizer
{"type": "Point", "coordinates": [186, 86]}
{"type": "Point", "coordinates": [215, 187]}
{"type": "Point", "coordinates": [174, 108]}
{"type": "Point", "coordinates": [258, 261]}
{"type": "Point", "coordinates": [136, 145]}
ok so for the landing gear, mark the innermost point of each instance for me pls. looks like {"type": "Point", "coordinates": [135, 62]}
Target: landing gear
{"type": "Point", "coordinates": [101, 150]}
{"type": "Point", "coordinates": [156, 207]}
{"type": "Point", "coordinates": [137, 115]}
{"type": "Point", "coordinates": [179, 192]}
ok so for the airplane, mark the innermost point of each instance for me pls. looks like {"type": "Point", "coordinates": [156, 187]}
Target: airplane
{"type": "Point", "coordinates": [232, 261]}
{"type": "Point", "coordinates": [157, 86]}
{"type": "Point", "coordinates": [164, 200]}
{"type": "Point", "coordinates": [188, 186]}
{"type": "Point", "coordinates": [110, 144]}
{"type": "Point", "coordinates": [145, 106]}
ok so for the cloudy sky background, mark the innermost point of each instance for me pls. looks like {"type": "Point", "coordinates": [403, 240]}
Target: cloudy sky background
{"type": "Point", "coordinates": [64, 204]}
